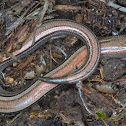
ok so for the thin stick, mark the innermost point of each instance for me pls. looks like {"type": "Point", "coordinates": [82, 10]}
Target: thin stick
{"type": "Point", "coordinates": [120, 8]}
{"type": "Point", "coordinates": [79, 86]}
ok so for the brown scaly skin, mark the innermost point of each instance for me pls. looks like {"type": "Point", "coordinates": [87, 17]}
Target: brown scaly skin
{"type": "Point", "coordinates": [13, 103]}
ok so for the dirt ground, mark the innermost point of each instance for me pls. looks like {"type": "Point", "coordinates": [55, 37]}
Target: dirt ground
{"type": "Point", "coordinates": [104, 92]}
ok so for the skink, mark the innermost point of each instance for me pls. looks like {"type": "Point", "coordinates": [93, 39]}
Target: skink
{"type": "Point", "coordinates": [108, 51]}
{"type": "Point", "coordinates": [38, 89]}
{"type": "Point", "coordinates": [55, 28]}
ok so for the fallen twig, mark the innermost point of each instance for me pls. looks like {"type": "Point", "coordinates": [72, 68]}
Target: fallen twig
{"type": "Point", "coordinates": [110, 3]}
{"type": "Point", "coordinates": [67, 7]}
{"type": "Point", "coordinates": [45, 8]}
{"type": "Point", "coordinates": [11, 121]}
{"type": "Point", "coordinates": [18, 21]}
{"type": "Point", "coordinates": [11, 56]}
{"type": "Point", "coordinates": [79, 86]}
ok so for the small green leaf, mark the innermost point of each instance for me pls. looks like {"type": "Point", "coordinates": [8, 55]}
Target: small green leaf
{"type": "Point", "coordinates": [100, 115]}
